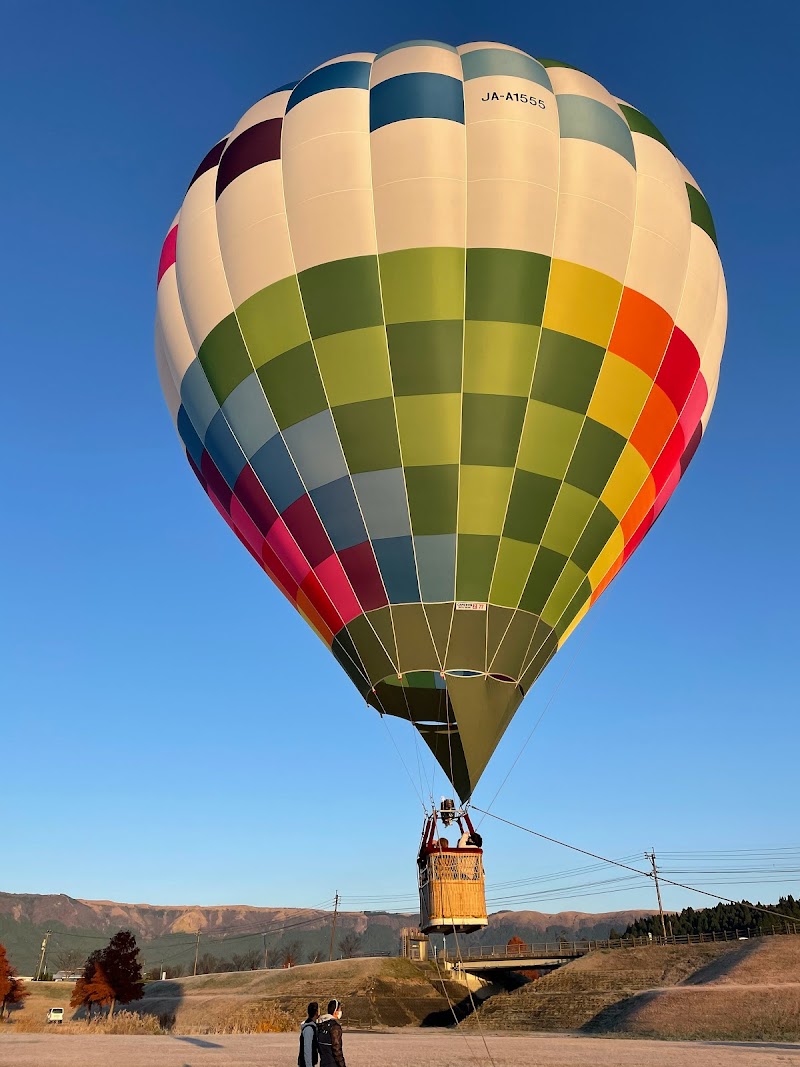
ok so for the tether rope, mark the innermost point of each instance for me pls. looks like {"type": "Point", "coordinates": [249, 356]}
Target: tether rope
{"type": "Point", "coordinates": [460, 958]}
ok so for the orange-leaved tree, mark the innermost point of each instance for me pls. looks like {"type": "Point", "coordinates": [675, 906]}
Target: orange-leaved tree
{"type": "Point", "coordinates": [517, 947]}
{"type": "Point", "coordinates": [93, 990]}
{"type": "Point", "coordinates": [80, 994]}
{"type": "Point", "coordinates": [12, 989]}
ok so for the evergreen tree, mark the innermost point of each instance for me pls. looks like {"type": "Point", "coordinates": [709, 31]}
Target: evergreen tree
{"type": "Point", "coordinates": [733, 919]}
{"type": "Point", "coordinates": [121, 970]}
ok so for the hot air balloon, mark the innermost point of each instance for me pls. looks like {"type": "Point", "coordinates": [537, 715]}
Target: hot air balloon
{"type": "Point", "coordinates": [440, 329]}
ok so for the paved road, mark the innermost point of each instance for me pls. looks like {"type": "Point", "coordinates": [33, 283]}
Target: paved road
{"type": "Point", "coordinates": [393, 1049]}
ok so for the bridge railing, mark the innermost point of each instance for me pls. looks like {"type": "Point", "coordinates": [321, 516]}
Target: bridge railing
{"type": "Point", "coordinates": [562, 949]}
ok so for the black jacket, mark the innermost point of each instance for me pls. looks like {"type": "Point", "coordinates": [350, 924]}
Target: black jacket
{"type": "Point", "coordinates": [329, 1039]}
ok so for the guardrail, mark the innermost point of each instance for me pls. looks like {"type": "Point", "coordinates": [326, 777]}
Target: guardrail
{"type": "Point", "coordinates": [561, 949]}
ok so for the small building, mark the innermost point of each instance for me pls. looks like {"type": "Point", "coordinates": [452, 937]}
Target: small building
{"type": "Point", "coordinates": [414, 944]}
{"type": "Point", "coordinates": [67, 976]}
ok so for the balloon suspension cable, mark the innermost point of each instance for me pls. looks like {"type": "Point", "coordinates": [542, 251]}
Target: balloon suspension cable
{"type": "Point", "coordinates": [634, 870]}
{"type": "Point", "coordinates": [383, 716]}
{"type": "Point", "coordinates": [423, 778]}
{"type": "Point", "coordinates": [578, 648]}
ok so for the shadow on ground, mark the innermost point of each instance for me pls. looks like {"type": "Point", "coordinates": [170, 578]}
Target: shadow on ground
{"type": "Point", "coordinates": [161, 1000]}
{"type": "Point", "coordinates": [472, 1002]}
{"type": "Point", "coordinates": [199, 1042]}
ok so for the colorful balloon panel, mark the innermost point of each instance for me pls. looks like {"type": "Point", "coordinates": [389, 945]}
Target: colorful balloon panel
{"type": "Point", "coordinates": [441, 329]}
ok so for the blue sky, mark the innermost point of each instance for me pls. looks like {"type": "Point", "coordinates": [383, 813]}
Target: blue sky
{"type": "Point", "coordinates": [171, 731]}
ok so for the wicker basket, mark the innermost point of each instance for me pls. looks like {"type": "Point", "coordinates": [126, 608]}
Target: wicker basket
{"type": "Point", "coordinates": [452, 893]}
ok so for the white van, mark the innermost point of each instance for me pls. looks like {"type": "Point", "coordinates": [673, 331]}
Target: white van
{"type": "Point", "coordinates": [55, 1015]}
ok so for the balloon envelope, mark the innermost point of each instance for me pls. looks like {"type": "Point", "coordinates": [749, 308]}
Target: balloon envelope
{"type": "Point", "coordinates": [440, 329]}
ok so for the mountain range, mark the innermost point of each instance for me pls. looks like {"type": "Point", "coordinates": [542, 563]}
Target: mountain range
{"type": "Point", "coordinates": [171, 932]}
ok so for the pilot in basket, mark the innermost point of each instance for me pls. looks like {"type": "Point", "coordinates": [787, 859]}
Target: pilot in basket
{"type": "Point", "coordinates": [452, 892]}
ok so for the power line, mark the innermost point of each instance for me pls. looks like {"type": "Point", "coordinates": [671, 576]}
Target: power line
{"type": "Point", "coordinates": [265, 930]}
{"type": "Point", "coordinates": [616, 863]}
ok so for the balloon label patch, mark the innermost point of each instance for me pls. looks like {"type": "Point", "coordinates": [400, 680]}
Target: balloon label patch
{"type": "Point", "coordinates": [521, 98]}
{"type": "Point", "coordinates": [470, 605]}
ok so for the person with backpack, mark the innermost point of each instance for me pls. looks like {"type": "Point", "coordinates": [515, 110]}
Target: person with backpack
{"type": "Point", "coordinates": [309, 1051]}
{"type": "Point", "coordinates": [329, 1037]}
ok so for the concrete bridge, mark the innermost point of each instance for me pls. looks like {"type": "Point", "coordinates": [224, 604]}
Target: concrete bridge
{"type": "Point", "coordinates": [542, 957]}
{"type": "Point", "coordinates": [546, 956]}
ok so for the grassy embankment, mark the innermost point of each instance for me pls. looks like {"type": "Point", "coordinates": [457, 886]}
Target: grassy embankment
{"type": "Point", "coordinates": [376, 992]}
{"type": "Point", "coordinates": [740, 991]}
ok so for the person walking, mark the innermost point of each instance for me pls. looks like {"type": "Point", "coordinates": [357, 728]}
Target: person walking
{"type": "Point", "coordinates": [329, 1037]}
{"type": "Point", "coordinates": [309, 1051]}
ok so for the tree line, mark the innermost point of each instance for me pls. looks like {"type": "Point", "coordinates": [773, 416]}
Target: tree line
{"type": "Point", "coordinates": [289, 954]}
{"type": "Point", "coordinates": [722, 918]}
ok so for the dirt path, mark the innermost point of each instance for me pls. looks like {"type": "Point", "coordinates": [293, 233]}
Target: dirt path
{"type": "Point", "coordinates": [398, 1049]}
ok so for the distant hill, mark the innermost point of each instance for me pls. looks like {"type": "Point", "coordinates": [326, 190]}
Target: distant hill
{"type": "Point", "coordinates": [167, 933]}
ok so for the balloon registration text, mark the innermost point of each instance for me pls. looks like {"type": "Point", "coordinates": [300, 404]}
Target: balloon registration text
{"type": "Point", "coordinates": [521, 98]}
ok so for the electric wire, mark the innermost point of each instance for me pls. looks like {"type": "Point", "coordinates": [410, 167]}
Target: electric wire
{"type": "Point", "coordinates": [578, 882]}
{"type": "Point", "coordinates": [635, 870]}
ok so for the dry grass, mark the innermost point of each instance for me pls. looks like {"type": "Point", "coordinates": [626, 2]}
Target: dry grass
{"type": "Point", "coordinates": [709, 1013]}
{"type": "Point", "coordinates": [726, 991]}
{"type": "Point", "coordinates": [259, 1018]}
{"type": "Point", "coordinates": [573, 996]}
{"type": "Point", "coordinates": [751, 993]}
{"type": "Point", "coordinates": [122, 1022]}
{"type": "Point", "coordinates": [761, 961]}
{"type": "Point", "coordinates": [635, 968]}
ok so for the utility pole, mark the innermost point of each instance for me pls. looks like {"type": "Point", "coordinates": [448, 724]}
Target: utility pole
{"type": "Point", "coordinates": [196, 951]}
{"type": "Point", "coordinates": [266, 954]}
{"type": "Point", "coordinates": [333, 926]}
{"type": "Point", "coordinates": [42, 955]}
{"type": "Point", "coordinates": [651, 856]}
